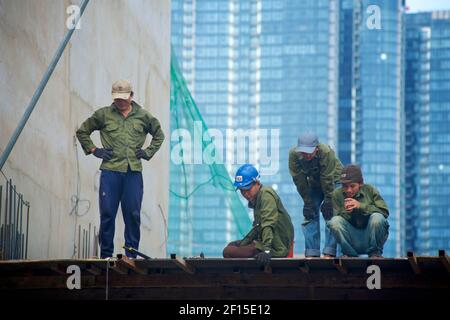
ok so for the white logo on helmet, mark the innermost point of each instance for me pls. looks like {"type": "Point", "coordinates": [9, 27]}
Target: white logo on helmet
{"type": "Point", "coordinates": [238, 178]}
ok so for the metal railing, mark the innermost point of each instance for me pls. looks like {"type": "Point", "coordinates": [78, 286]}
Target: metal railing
{"type": "Point", "coordinates": [14, 222]}
{"type": "Point", "coordinates": [88, 243]}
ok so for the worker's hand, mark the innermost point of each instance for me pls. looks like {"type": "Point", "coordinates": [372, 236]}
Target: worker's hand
{"type": "Point", "coordinates": [350, 204]}
{"type": "Point", "coordinates": [327, 210]}
{"type": "Point", "coordinates": [141, 154]}
{"type": "Point", "coordinates": [263, 258]}
{"type": "Point", "coordinates": [105, 154]}
{"type": "Point", "coordinates": [309, 212]}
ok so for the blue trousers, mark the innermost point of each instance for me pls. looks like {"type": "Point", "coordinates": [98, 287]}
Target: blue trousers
{"type": "Point", "coordinates": [126, 188]}
{"type": "Point", "coordinates": [355, 241]}
{"type": "Point", "coordinates": [311, 230]}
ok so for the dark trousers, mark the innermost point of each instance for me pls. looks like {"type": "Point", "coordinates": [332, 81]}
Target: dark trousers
{"type": "Point", "coordinates": [126, 188]}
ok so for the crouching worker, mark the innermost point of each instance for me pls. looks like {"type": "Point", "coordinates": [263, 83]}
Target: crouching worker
{"type": "Point", "coordinates": [272, 233]}
{"type": "Point", "coordinates": [359, 223]}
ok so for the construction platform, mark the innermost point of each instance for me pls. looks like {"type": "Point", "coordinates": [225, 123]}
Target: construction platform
{"type": "Point", "coordinates": [414, 277]}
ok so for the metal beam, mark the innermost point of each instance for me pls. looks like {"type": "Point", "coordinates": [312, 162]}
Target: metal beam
{"type": "Point", "coordinates": [217, 279]}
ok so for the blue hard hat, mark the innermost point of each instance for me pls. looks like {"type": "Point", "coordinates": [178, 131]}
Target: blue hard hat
{"type": "Point", "coordinates": [245, 176]}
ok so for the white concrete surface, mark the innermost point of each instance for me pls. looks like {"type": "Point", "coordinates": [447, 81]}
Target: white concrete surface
{"type": "Point", "coordinates": [118, 39]}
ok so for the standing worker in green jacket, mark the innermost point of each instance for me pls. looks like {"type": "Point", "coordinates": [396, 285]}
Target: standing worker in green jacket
{"type": "Point", "coordinates": [123, 127]}
{"type": "Point", "coordinates": [272, 232]}
{"type": "Point", "coordinates": [315, 170]}
{"type": "Point", "coordinates": [360, 216]}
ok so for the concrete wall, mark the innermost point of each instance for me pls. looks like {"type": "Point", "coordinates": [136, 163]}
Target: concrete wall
{"type": "Point", "coordinates": [118, 39]}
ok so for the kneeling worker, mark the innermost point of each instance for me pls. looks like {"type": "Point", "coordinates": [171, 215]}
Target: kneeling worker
{"type": "Point", "coordinates": [359, 223]}
{"type": "Point", "coordinates": [273, 233]}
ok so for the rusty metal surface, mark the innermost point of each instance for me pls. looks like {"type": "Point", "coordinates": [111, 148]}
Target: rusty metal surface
{"type": "Point", "coordinates": [178, 278]}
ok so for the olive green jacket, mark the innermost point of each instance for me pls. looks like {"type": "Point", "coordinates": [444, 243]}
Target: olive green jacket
{"type": "Point", "coordinates": [272, 226]}
{"type": "Point", "coordinates": [321, 172]}
{"type": "Point", "coordinates": [370, 201]}
{"type": "Point", "coordinates": [122, 135]}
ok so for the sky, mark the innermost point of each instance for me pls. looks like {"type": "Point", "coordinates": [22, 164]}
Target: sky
{"type": "Point", "coordinates": [427, 5]}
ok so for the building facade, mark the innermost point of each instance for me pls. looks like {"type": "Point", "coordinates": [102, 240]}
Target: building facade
{"type": "Point", "coordinates": [427, 107]}
{"type": "Point", "coordinates": [369, 79]}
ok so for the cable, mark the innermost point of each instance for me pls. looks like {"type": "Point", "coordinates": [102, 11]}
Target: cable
{"type": "Point", "coordinates": [76, 201]}
{"type": "Point", "coordinates": [201, 185]}
{"type": "Point", "coordinates": [166, 236]}
{"type": "Point", "coordinates": [76, 197]}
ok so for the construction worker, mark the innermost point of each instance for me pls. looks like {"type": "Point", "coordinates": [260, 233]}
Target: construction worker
{"type": "Point", "coordinates": [273, 233]}
{"type": "Point", "coordinates": [359, 223]}
{"type": "Point", "coordinates": [315, 170]}
{"type": "Point", "coordinates": [123, 128]}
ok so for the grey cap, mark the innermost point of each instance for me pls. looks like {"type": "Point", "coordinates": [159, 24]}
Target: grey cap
{"type": "Point", "coordinates": [307, 142]}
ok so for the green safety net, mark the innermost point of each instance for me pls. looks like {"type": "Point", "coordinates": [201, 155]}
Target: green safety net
{"type": "Point", "coordinates": [190, 183]}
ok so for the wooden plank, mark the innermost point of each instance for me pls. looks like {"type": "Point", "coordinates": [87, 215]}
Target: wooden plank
{"type": "Point", "coordinates": [444, 259]}
{"type": "Point", "coordinates": [317, 264]}
{"type": "Point", "coordinates": [268, 269]}
{"type": "Point", "coordinates": [303, 266]}
{"type": "Point", "coordinates": [181, 263]}
{"type": "Point", "coordinates": [340, 266]}
{"type": "Point", "coordinates": [59, 269]}
{"type": "Point", "coordinates": [92, 269]}
{"type": "Point", "coordinates": [412, 259]}
{"type": "Point", "coordinates": [120, 269]}
{"type": "Point", "coordinates": [127, 263]}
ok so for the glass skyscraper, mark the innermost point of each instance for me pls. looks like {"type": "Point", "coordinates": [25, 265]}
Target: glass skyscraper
{"type": "Point", "coordinates": [255, 65]}
{"type": "Point", "coordinates": [427, 106]}
{"type": "Point", "coordinates": [204, 37]}
{"type": "Point", "coordinates": [346, 34]}
{"type": "Point", "coordinates": [331, 67]}
{"type": "Point", "coordinates": [371, 101]}
{"type": "Point", "coordinates": [299, 84]}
